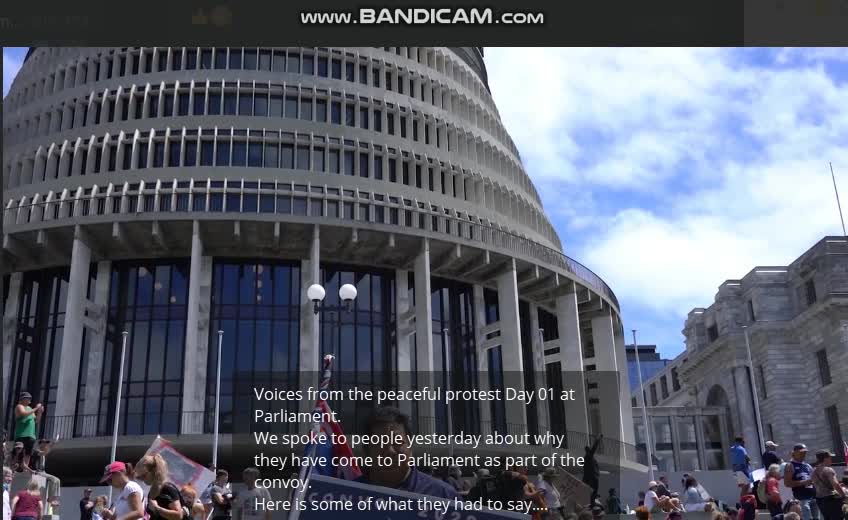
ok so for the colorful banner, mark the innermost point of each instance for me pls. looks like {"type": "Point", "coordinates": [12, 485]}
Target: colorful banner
{"type": "Point", "coordinates": [181, 469]}
{"type": "Point", "coordinates": [326, 490]}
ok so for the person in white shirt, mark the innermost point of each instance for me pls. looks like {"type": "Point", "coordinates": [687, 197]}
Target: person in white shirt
{"type": "Point", "coordinates": [130, 502]}
{"type": "Point", "coordinates": [7, 483]}
{"type": "Point", "coordinates": [246, 507]}
{"type": "Point", "coordinates": [651, 498]}
{"type": "Point", "coordinates": [550, 493]}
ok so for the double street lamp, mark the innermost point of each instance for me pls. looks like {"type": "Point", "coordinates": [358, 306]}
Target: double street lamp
{"type": "Point", "coordinates": [316, 293]}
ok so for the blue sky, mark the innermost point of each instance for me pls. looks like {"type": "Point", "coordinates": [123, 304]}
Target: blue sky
{"type": "Point", "coordinates": [668, 171]}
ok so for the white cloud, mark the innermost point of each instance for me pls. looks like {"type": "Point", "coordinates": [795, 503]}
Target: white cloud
{"type": "Point", "coordinates": [11, 67]}
{"type": "Point", "coordinates": [677, 169]}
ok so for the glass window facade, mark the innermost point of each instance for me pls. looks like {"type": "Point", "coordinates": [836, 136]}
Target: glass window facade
{"type": "Point", "coordinates": [256, 305]}
{"type": "Point", "coordinates": [149, 301]}
{"type": "Point", "coordinates": [361, 340]}
{"type": "Point", "coordinates": [38, 337]}
{"type": "Point", "coordinates": [455, 351]}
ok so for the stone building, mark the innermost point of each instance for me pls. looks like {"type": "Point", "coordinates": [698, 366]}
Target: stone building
{"type": "Point", "coordinates": [797, 323]}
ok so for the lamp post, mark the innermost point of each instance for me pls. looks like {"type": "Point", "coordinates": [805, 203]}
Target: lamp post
{"type": "Point", "coordinates": [316, 293]}
{"type": "Point", "coordinates": [217, 403]}
{"type": "Point", "coordinates": [754, 390]}
{"type": "Point", "coordinates": [117, 420]}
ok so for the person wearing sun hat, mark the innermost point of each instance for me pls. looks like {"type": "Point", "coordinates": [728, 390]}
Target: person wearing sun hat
{"type": "Point", "coordinates": [829, 493]}
{"type": "Point", "coordinates": [129, 504]}
{"type": "Point", "coordinates": [770, 456]}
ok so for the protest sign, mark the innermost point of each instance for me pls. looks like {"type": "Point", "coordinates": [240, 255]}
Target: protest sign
{"type": "Point", "coordinates": [370, 502]}
{"type": "Point", "coordinates": [181, 469]}
{"type": "Point", "coordinates": [572, 491]}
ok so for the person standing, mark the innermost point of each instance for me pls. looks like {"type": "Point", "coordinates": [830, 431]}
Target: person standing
{"type": "Point", "coordinates": [796, 476]}
{"type": "Point", "coordinates": [27, 505]}
{"type": "Point", "coordinates": [25, 419]}
{"type": "Point", "coordinates": [772, 490]}
{"type": "Point", "coordinates": [191, 504]}
{"type": "Point", "coordinates": [222, 507]}
{"type": "Point", "coordinates": [546, 485]}
{"type": "Point", "coordinates": [245, 506]}
{"type": "Point", "coordinates": [130, 502]}
{"type": "Point", "coordinates": [829, 492]}
{"type": "Point", "coordinates": [770, 456]}
{"type": "Point", "coordinates": [739, 459]}
{"type": "Point", "coordinates": [614, 503]}
{"type": "Point", "coordinates": [7, 482]}
{"type": "Point", "coordinates": [163, 499]}
{"type": "Point", "coordinates": [86, 505]}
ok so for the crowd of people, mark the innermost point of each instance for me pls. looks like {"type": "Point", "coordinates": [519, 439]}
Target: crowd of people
{"type": "Point", "coordinates": [817, 493]}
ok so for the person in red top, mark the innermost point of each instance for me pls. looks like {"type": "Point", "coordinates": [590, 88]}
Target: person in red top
{"type": "Point", "coordinates": [27, 504]}
{"type": "Point", "coordinates": [773, 490]}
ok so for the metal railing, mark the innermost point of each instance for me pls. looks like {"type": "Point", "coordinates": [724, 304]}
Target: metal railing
{"type": "Point", "coordinates": [99, 204]}
{"type": "Point", "coordinates": [194, 423]}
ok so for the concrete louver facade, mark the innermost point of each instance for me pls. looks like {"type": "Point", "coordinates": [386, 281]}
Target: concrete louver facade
{"type": "Point", "coordinates": [376, 158]}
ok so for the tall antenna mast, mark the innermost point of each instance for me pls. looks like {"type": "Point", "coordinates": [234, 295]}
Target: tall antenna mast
{"type": "Point", "coordinates": [833, 176]}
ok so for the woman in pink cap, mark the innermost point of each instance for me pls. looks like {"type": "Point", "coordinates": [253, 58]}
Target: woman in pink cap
{"type": "Point", "coordinates": [128, 505]}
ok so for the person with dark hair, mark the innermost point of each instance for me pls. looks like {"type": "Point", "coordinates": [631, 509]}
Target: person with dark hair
{"type": "Point", "coordinates": [797, 476]}
{"type": "Point", "coordinates": [222, 507]}
{"type": "Point", "coordinates": [591, 470]}
{"type": "Point", "coordinates": [692, 498]}
{"type": "Point", "coordinates": [25, 419]}
{"type": "Point", "coordinates": [739, 459]}
{"type": "Point", "coordinates": [86, 505]}
{"type": "Point", "coordinates": [614, 503]}
{"type": "Point", "coordinates": [829, 492]}
{"type": "Point", "coordinates": [400, 473]}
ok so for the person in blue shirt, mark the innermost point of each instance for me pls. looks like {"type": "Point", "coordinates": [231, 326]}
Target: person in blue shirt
{"type": "Point", "coordinates": [739, 459]}
{"type": "Point", "coordinates": [399, 475]}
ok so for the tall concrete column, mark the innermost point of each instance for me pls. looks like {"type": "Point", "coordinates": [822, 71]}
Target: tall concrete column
{"type": "Point", "coordinates": [482, 357]}
{"type": "Point", "coordinates": [194, 362]}
{"type": "Point", "coordinates": [403, 333]}
{"type": "Point", "coordinates": [603, 336]}
{"type": "Point", "coordinates": [70, 353]}
{"type": "Point", "coordinates": [571, 360]}
{"type": "Point", "coordinates": [310, 272]}
{"type": "Point", "coordinates": [627, 432]}
{"type": "Point", "coordinates": [310, 346]}
{"type": "Point", "coordinates": [513, 364]}
{"type": "Point", "coordinates": [96, 346]}
{"type": "Point", "coordinates": [424, 335]}
{"type": "Point", "coordinates": [543, 410]}
{"type": "Point", "coordinates": [10, 327]}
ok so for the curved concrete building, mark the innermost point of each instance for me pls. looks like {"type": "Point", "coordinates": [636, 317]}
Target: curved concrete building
{"type": "Point", "coordinates": [174, 192]}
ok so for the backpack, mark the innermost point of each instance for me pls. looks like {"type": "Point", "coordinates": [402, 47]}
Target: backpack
{"type": "Point", "coordinates": [762, 496]}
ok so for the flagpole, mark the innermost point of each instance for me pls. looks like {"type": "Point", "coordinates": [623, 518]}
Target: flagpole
{"type": "Point", "coordinates": [217, 404]}
{"type": "Point", "coordinates": [648, 446]}
{"type": "Point", "coordinates": [833, 176]}
{"type": "Point", "coordinates": [117, 420]}
{"type": "Point", "coordinates": [445, 335]}
{"type": "Point", "coordinates": [754, 392]}
{"type": "Point", "coordinates": [305, 473]}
